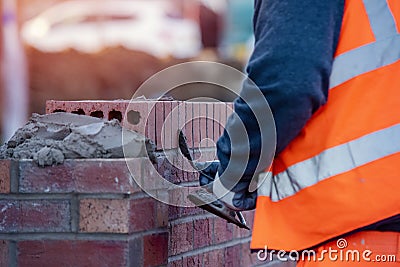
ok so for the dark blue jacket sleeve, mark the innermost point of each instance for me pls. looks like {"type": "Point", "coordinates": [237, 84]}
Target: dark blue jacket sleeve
{"type": "Point", "coordinates": [295, 42]}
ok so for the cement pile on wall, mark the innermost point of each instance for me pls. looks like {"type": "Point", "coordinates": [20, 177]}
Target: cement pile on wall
{"type": "Point", "coordinates": [50, 139]}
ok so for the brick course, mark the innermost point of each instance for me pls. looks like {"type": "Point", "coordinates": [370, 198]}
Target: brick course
{"type": "Point", "coordinates": [80, 176]}
{"type": "Point", "coordinates": [199, 120]}
{"type": "Point", "coordinates": [43, 253]}
{"type": "Point", "coordinates": [26, 216]}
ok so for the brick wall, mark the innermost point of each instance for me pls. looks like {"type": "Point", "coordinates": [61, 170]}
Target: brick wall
{"type": "Point", "coordinates": [91, 212]}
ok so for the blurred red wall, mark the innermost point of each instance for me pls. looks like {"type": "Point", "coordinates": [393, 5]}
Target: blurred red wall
{"type": "Point", "coordinates": [112, 73]}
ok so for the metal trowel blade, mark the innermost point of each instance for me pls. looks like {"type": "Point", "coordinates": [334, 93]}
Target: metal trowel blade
{"type": "Point", "coordinates": [207, 201]}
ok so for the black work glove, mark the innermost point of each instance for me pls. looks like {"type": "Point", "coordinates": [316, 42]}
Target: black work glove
{"type": "Point", "coordinates": [237, 199]}
{"type": "Point", "coordinates": [207, 171]}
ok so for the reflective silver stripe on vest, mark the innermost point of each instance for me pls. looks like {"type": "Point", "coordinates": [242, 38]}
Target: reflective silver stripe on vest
{"type": "Point", "coordinates": [332, 162]}
{"type": "Point", "coordinates": [383, 52]}
{"type": "Point", "coordinates": [380, 18]}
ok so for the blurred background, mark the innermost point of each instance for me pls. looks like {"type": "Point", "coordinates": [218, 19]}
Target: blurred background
{"type": "Point", "coordinates": [105, 49]}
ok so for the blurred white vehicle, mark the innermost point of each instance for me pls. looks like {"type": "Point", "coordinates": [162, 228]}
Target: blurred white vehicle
{"type": "Point", "coordinates": [90, 25]}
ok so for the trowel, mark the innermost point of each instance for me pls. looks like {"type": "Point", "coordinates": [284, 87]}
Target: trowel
{"type": "Point", "coordinates": [204, 198]}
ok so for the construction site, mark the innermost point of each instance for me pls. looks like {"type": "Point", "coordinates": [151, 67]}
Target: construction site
{"type": "Point", "coordinates": [176, 133]}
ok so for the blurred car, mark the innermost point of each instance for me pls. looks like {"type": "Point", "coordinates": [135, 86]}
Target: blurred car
{"type": "Point", "coordinates": [90, 25]}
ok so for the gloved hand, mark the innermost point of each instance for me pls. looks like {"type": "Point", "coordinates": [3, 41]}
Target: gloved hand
{"type": "Point", "coordinates": [208, 171]}
{"type": "Point", "coordinates": [238, 198]}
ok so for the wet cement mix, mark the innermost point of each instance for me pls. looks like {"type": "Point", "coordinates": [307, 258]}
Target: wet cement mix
{"type": "Point", "coordinates": [50, 139]}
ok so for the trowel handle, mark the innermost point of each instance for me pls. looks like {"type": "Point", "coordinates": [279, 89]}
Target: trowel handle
{"type": "Point", "coordinates": [241, 217]}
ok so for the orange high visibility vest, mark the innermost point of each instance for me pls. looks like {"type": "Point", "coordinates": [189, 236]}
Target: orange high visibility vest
{"type": "Point", "coordinates": [343, 170]}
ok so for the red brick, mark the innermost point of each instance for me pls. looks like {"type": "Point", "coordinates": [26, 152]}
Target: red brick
{"type": "Point", "coordinates": [151, 122]}
{"type": "Point", "coordinates": [141, 108]}
{"type": "Point", "coordinates": [202, 233]}
{"type": "Point", "coordinates": [82, 176]}
{"type": "Point", "coordinates": [192, 176]}
{"type": "Point", "coordinates": [156, 176]}
{"type": "Point", "coordinates": [159, 112]}
{"type": "Point", "coordinates": [35, 216]}
{"type": "Point", "coordinates": [167, 126]}
{"type": "Point", "coordinates": [162, 212]}
{"type": "Point", "coordinates": [181, 238]}
{"type": "Point", "coordinates": [178, 162]}
{"type": "Point", "coordinates": [247, 258]}
{"type": "Point", "coordinates": [215, 121]}
{"type": "Point", "coordinates": [203, 125]}
{"type": "Point", "coordinates": [196, 125]}
{"type": "Point", "coordinates": [223, 116]}
{"type": "Point", "coordinates": [4, 254]}
{"type": "Point", "coordinates": [241, 233]}
{"type": "Point", "coordinates": [104, 215]}
{"type": "Point", "coordinates": [93, 106]}
{"type": "Point", "coordinates": [189, 173]}
{"type": "Point", "coordinates": [215, 258]}
{"type": "Point", "coordinates": [142, 214]}
{"type": "Point", "coordinates": [177, 263]}
{"type": "Point", "coordinates": [223, 231]}
{"type": "Point", "coordinates": [88, 106]}
{"type": "Point", "coordinates": [5, 176]}
{"type": "Point", "coordinates": [10, 216]}
{"type": "Point", "coordinates": [169, 171]}
{"type": "Point", "coordinates": [210, 124]}
{"type": "Point", "coordinates": [176, 113]}
{"type": "Point", "coordinates": [196, 260]}
{"type": "Point", "coordinates": [188, 129]}
{"type": "Point", "coordinates": [218, 127]}
{"type": "Point", "coordinates": [178, 196]}
{"type": "Point", "coordinates": [107, 175]}
{"type": "Point", "coordinates": [135, 172]}
{"type": "Point", "coordinates": [155, 249]}
{"type": "Point", "coordinates": [51, 105]}
{"type": "Point", "coordinates": [46, 215]}
{"type": "Point", "coordinates": [150, 175]}
{"type": "Point", "coordinates": [39, 253]}
{"type": "Point", "coordinates": [232, 256]}
{"type": "Point", "coordinates": [164, 168]}
{"type": "Point", "coordinates": [55, 179]}
{"type": "Point", "coordinates": [182, 115]}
